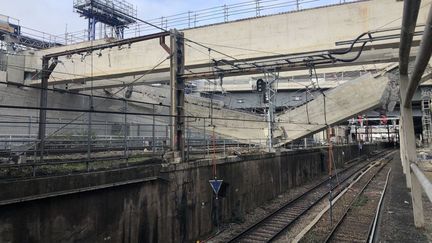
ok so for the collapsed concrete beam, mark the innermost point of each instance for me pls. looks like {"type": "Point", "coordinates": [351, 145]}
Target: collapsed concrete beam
{"type": "Point", "coordinates": [333, 106]}
{"type": "Point", "coordinates": [359, 95]}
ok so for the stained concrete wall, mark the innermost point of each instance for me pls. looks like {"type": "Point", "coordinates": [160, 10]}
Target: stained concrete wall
{"type": "Point", "coordinates": [178, 208]}
{"type": "Point", "coordinates": [25, 121]}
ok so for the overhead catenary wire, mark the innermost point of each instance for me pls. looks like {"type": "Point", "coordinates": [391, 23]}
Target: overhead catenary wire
{"type": "Point", "coordinates": [331, 56]}
{"type": "Point", "coordinates": [77, 117]}
{"type": "Point", "coordinates": [263, 69]}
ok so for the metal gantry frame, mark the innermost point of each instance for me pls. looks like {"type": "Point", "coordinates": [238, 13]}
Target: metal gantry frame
{"type": "Point", "coordinates": [177, 61]}
{"type": "Point", "coordinates": [426, 118]}
{"type": "Point", "coordinates": [271, 91]}
{"type": "Point", "coordinates": [115, 13]}
{"type": "Point", "coordinates": [231, 68]}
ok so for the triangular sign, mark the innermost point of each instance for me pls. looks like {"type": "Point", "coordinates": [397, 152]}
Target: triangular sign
{"type": "Point", "coordinates": [216, 185]}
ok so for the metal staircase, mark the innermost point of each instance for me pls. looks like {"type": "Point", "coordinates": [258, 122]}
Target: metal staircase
{"type": "Point", "coordinates": [426, 119]}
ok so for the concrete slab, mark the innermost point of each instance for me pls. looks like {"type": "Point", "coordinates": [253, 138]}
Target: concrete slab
{"type": "Point", "coordinates": [345, 101]}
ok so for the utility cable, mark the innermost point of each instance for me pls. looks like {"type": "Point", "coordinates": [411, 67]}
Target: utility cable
{"type": "Point", "coordinates": [79, 116]}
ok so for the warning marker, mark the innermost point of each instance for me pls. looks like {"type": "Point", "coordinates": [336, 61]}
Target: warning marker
{"type": "Point", "coordinates": [216, 185]}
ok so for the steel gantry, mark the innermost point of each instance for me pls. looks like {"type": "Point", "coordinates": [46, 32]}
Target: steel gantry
{"type": "Point", "coordinates": [177, 83]}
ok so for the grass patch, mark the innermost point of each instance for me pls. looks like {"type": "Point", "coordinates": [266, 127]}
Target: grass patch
{"type": "Point", "coordinates": [361, 201]}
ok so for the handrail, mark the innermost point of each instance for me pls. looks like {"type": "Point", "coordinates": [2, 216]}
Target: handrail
{"type": "Point", "coordinates": [423, 180]}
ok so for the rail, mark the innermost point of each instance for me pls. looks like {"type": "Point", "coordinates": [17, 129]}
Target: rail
{"type": "Point", "coordinates": [375, 222]}
{"type": "Point", "coordinates": [269, 229]}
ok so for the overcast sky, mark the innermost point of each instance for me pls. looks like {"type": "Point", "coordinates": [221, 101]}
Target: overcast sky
{"type": "Point", "coordinates": [52, 16]}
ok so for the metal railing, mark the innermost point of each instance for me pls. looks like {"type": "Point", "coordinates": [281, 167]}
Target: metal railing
{"type": "Point", "coordinates": [185, 20]}
{"type": "Point", "coordinates": [218, 14]}
{"type": "Point", "coordinates": [82, 145]}
{"type": "Point", "coordinates": [88, 143]}
{"type": "Point", "coordinates": [423, 180]}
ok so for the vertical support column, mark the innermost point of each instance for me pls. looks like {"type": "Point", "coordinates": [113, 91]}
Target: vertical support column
{"type": "Point", "coordinates": [125, 139]}
{"type": "Point", "coordinates": [402, 142]}
{"type": "Point", "coordinates": [417, 203]}
{"type": "Point", "coordinates": [356, 134]}
{"type": "Point", "coordinates": [29, 127]}
{"type": "Point", "coordinates": [188, 139]}
{"type": "Point", "coordinates": [92, 28]}
{"type": "Point", "coordinates": [153, 132]}
{"type": "Point", "coordinates": [388, 133]}
{"type": "Point", "coordinates": [409, 153]}
{"type": "Point", "coordinates": [205, 138]}
{"type": "Point", "coordinates": [407, 125]}
{"type": "Point", "coordinates": [89, 130]}
{"type": "Point", "coordinates": [177, 93]}
{"type": "Point", "coordinates": [43, 102]}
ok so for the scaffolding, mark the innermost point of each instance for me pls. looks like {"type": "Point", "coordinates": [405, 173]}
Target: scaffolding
{"type": "Point", "coordinates": [426, 119]}
{"type": "Point", "coordinates": [117, 14]}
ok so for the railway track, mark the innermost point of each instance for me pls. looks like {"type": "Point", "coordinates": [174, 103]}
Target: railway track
{"type": "Point", "coordinates": [351, 212]}
{"type": "Point", "coordinates": [357, 223]}
{"type": "Point", "coordinates": [269, 228]}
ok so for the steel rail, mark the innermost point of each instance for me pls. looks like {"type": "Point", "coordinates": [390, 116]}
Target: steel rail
{"type": "Point", "coordinates": [336, 226]}
{"type": "Point", "coordinates": [371, 237]}
{"type": "Point", "coordinates": [253, 227]}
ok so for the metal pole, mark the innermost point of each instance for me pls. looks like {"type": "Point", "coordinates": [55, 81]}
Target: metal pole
{"type": "Point", "coordinates": [125, 132]}
{"type": "Point", "coordinates": [188, 139]}
{"type": "Point", "coordinates": [205, 139]}
{"type": "Point", "coordinates": [422, 59]}
{"type": "Point", "coordinates": [43, 104]}
{"type": "Point", "coordinates": [89, 130]}
{"type": "Point", "coordinates": [409, 20]}
{"type": "Point", "coordinates": [166, 136]}
{"type": "Point", "coordinates": [388, 132]}
{"type": "Point", "coordinates": [330, 160]}
{"type": "Point", "coordinates": [153, 132]}
{"type": "Point", "coordinates": [29, 127]}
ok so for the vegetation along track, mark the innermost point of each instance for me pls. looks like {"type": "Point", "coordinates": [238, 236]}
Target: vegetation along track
{"type": "Point", "coordinates": [274, 224]}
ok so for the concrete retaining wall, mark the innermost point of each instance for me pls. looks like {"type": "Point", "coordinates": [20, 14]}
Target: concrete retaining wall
{"type": "Point", "coordinates": [178, 208]}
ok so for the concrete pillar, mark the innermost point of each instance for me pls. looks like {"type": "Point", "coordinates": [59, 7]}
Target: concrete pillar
{"type": "Point", "coordinates": [408, 152]}
{"type": "Point", "coordinates": [177, 94]}
{"type": "Point", "coordinates": [43, 100]}
{"type": "Point", "coordinates": [417, 203]}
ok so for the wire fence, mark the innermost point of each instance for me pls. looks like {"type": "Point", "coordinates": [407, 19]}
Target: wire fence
{"type": "Point", "coordinates": [116, 139]}
{"type": "Point", "coordinates": [96, 141]}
